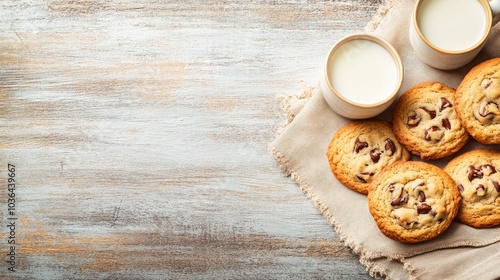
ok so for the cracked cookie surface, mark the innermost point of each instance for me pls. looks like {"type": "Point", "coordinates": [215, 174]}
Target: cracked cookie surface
{"type": "Point", "coordinates": [477, 176]}
{"type": "Point", "coordinates": [360, 150]}
{"type": "Point", "coordinates": [425, 121]}
{"type": "Point", "coordinates": [413, 201]}
{"type": "Point", "coordinates": [477, 101]}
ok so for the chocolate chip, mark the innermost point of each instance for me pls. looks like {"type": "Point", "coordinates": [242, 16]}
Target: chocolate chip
{"type": "Point", "coordinates": [362, 175]}
{"type": "Point", "coordinates": [487, 109]}
{"type": "Point", "coordinates": [423, 208]}
{"type": "Point", "coordinates": [421, 184]}
{"type": "Point", "coordinates": [389, 146]}
{"type": "Point", "coordinates": [473, 173]}
{"type": "Point", "coordinates": [413, 120]}
{"type": "Point", "coordinates": [460, 188]}
{"type": "Point", "coordinates": [446, 123]}
{"type": "Point", "coordinates": [488, 169]}
{"type": "Point", "coordinates": [358, 145]}
{"type": "Point", "coordinates": [486, 83]}
{"type": "Point", "coordinates": [496, 185]}
{"type": "Point", "coordinates": [445, 104]}
{"type": "Point", "coordinates": [361, 179]}
{"type": "Point", "coordinates": [421, 196]}
{"type": "Point", "coordinates": [428, 132]}
{"type": "Point", "coordinates": [431, 113]}
{"type": "Point", "coordinates": [396, 201]}
{"type": "Point", "coordinates": [375, 155]}
{"type": "Point", "coordinates": [400, 200]}
{"type": "Point", "coordinates": [483, 111]}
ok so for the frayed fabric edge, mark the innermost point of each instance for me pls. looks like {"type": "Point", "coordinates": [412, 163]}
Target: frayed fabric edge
{"type": "Point", "coordinates": [291, 105]}
{"type": "Point", "coordinates": [410, 269]}
{"type": "Point", "coordinates": [364, 257]}
{"type": "Point", "coordinates": [378, 271]}
{"type": "Point", "coordinates": [285, 106]}
{"type": "Point", "coordinates": [375, 270]}
{"type": "Point", "coordinates": [380, 15]}
{"type": "Point", "coordinates": [288, 113]}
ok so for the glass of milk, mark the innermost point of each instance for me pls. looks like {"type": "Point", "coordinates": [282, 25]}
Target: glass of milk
{"type": "Point", "coordinates": [447, 34]}
{"type": "Point", "coordinates": [362, 76]}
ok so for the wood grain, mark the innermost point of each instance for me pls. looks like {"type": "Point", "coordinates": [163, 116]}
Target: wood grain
{"type": "Point", "coordinates": [139, 129]}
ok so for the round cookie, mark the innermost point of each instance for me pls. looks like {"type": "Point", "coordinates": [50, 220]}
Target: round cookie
{"type": "Point", "coordinates": [426, 123]}
{"type": "Point", "coordinates": [360, 150]}
{"type": "Point", "coordinates": [477, 102]}
{"type": "Point", "coordinates": [477, 176]}
{"type": "Point", "coordinates": [413, 201]}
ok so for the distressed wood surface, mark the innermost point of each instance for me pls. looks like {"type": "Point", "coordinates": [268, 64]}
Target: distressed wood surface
{"type": "Point", "coordinates": [138, 131]}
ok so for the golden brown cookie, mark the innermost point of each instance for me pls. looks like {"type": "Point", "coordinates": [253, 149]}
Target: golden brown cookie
{"type": "Point", "coordinates": [426, 123]}
{"type": "Point", "coordinates": [413, 201]}
{"type": "Point", "coordinates": [477, 176]}
{"type": "Point", "coordinates": [477, 102]}
{"type": "Point", "coordinates": [359, 150]}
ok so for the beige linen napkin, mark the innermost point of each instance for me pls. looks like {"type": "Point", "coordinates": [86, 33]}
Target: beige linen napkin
{"type": "Point", "coordinates": [461, 252]}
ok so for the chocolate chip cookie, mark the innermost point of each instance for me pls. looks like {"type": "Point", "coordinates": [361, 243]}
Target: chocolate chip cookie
{"type": "Point", "coordinates": [477, 176]}
{"type": "Point", "coordinates": [359, 150]}
{"type": "Point", "coordinates": [413, 201]}
{"type": "Point", "coordinates": [477, 102]}
{"type": "Point", "coordinates": [426, 123]}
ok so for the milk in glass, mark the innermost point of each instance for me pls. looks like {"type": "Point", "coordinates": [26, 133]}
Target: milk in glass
{"type": "Point", "coordinates": [452, 25]}
{"type": "Point", "coordinates": [363, 72]}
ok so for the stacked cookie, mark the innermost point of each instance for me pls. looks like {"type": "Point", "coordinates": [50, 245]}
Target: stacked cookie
{"type": "Point", "coordinates": [414, 201]}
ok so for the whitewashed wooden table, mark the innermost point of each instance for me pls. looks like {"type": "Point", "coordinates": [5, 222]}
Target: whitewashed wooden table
{"type": "Point", "coordinates": [136, 133]}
